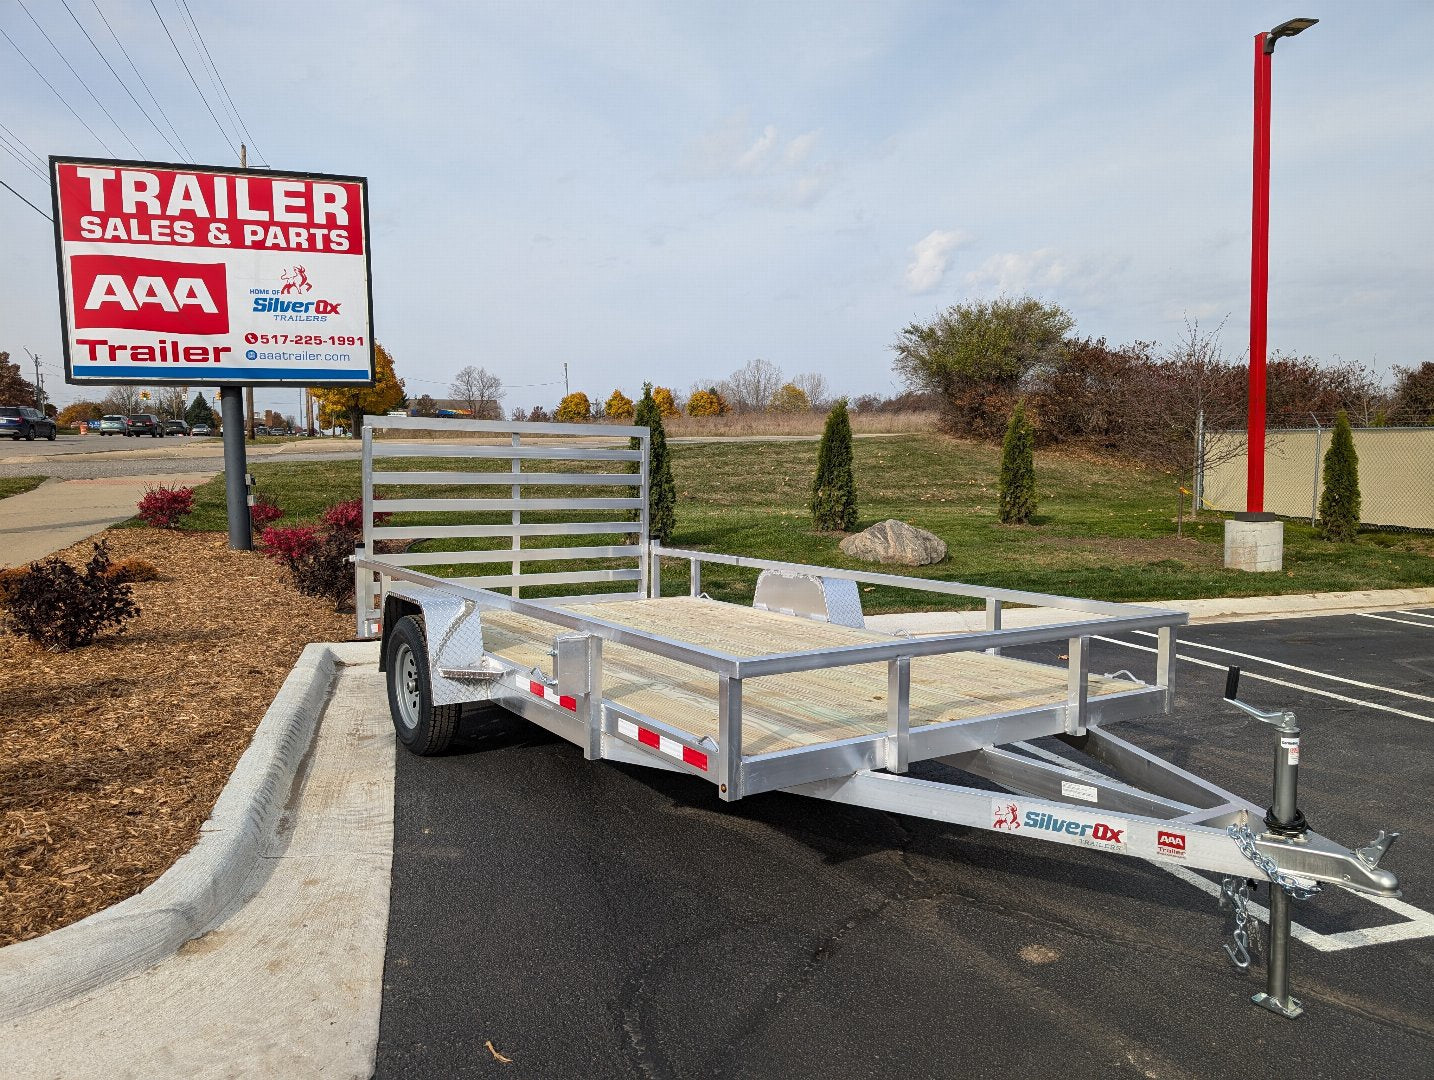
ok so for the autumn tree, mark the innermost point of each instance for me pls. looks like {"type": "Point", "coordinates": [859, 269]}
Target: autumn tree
{"type": "Point", "coordinates": [618, 407]}
{"type": "Point", "coordinates": [707, 403]}
{"type": "Point", "coordinates": [790, 399]}
{"type": "Point", "coordinates": [573, 409]}
{"type": "Point", "coordinates": [1413, 394]}
{"type": "Point", "coordinates": [349, 404]}
{"type": "Point", "coordinates": [81, 412]}
{"type": "Point", "coordinates": [14, 390]}
{"type": "Point", "coordinates": [480, 391]}
{"type": "Point", "coordinates": [666, 403]}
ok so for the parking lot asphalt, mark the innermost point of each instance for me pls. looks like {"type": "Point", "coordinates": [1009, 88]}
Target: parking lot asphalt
{"type": "Point", "coordinates": [594, 920]}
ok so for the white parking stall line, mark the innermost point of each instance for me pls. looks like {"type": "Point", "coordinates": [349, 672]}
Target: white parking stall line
{"type": "Point", "coordinates": [1277, 682]}
{"type": "Point", "coordinates": [1416, 614]}
{"type": "Point", "coordinates": [1302, 671]}
{"type": "Point", "coordinates": [1401, 622]}
{"type": "Point", "coordinates": [1418, 922]}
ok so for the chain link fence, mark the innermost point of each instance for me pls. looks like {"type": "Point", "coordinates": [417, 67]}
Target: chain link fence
{"type": "Point", "coordinates": [1396, 472]}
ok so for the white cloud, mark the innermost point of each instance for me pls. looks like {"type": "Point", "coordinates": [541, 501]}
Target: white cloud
{"type": "Point", "coordinates": [770, 169]}
{"type": "Point", "coordinates": [930, 256]}
{"type": "Point", "coordinates": [1016, 272]}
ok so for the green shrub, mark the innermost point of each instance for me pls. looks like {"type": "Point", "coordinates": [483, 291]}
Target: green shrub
{"type": "Point", "coordinates": [1018, 470]}
{"type": "Point", "coordinates": [662, 490]}
{"type": "Point", "coordinates": [1339, 502]}
{"type": "Point", "coordinates": [833, 502]}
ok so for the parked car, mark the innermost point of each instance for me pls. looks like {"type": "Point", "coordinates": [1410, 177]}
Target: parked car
{"type": "Point", "coordinates": [21, 421]}
{"type": "Point", "coordinates": [114, 424]}
{"type": "Point", "coordinates": [201, 429]}
{"type": "Point", "coordinates": [144, 423]}
{"type": "Point", "coordinates": [176, 427]}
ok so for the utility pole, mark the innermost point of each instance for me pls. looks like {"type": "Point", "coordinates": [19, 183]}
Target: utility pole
{"type": "Point", "coordinates": [566, 391]}
{"type": "Point", "coordinates": [39, 382]}
{"type": "Point", "coordinates": [236, 467]}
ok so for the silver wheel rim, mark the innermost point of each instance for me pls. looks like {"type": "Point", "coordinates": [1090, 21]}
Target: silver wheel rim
{"type": "Point", "coordinates": [406, 692]}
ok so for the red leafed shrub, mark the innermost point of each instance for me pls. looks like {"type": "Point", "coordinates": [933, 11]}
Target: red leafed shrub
{"type": "Point", "coordinates": [347, 517]}
{"type": "Point", "coordinates": [289, 544]}
{"type": "Point", "coordinates": [264, 512]}
{"type": "Point", "coordinates": [162, 507]}
{"type": "Point", "coordinates": [55, 605]}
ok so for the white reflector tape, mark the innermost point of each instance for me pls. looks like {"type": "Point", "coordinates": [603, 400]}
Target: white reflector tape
{"type": "Point", "coordinates": [662, 744]}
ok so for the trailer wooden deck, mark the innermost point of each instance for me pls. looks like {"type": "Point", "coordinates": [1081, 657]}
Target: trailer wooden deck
{"type": "Point", "coordinates": [782, 712]}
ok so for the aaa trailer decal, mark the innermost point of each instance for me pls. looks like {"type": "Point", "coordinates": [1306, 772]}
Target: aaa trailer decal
{"type": "Point", "coordinates": [1072, 826]}
{"type": "Point", "coordinates": [163, 267]}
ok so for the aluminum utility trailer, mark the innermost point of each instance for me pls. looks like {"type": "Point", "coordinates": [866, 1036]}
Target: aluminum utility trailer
{"type": "Point", "coordinates": [794, 693]}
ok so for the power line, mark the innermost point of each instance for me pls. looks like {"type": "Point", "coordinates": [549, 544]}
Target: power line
{"type": "Point", "coordinates": [140, 75]}
{"type": "Point", "coordinates": [115, 73]}
{"type": "Point", "coordinates": [192, 79]}
{"type": "Point", "coordinates": [81, 81]}
{"type": "Point", "coordinates": [59, 95]}
{"type": "Point", "coordinates": [21, 143]}
{"type": "Point", "coordinates": [26, 201]}
{"type": "Point", "coordinates": [30, 165]}
{"type": "Point", "coordinates": [232, 107]}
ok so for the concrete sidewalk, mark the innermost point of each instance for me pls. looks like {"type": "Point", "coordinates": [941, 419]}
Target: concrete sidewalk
{"type": "Point", "coordinates": [289, 983]}
{"type": "Point", "coordinates": [60, 513]}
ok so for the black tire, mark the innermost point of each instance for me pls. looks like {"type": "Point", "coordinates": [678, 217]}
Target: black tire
{"type": "Point", "coordinates": [51, 436]}
{"type": "Point", "coordinates": [421, 727]}
{"type": "Point", "coordinates": [30, 434]}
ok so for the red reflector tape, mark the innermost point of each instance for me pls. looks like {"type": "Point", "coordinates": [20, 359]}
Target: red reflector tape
{"type": "Point", "coordinates": [671, 747]}
{"type": "Point", "coordinates": [547, 693]}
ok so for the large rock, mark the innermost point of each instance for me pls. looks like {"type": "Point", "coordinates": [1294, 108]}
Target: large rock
{"type": "Point", "coordinates": [895, 542]}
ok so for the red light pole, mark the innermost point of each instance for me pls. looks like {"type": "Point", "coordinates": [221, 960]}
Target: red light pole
{"type": "Point", "coordinates": [1260, 262]}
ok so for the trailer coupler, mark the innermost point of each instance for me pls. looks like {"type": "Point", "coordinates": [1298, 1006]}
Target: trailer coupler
{"type": "Point", "coordinates": [1281, 852]}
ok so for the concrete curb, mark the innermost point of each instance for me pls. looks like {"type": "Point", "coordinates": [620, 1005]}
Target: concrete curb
{"type": "Point", "coordinates": [186, 899]}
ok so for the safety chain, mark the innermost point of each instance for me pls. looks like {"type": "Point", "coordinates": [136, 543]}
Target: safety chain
{"type": "Point", "coordinates": [1245, 841]}
{"type": "Point", "coordinates": [1235, 894]}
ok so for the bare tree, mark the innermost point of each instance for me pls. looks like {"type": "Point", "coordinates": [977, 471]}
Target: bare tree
{"type": "Point", "coordinates": [170, 401]}
{"type": "Point", "coordinates": [750, 388]}
{"type": "Point", "coordinates": [480, 391]}
{"type": "Point", "coordinates": [123, 400]}
{"type": "Point", "coordinates": [814, 385]}
{"type": "Point", "coordinates": [424, 405]}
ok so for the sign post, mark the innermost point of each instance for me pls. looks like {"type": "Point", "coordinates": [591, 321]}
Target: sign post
{"type": "Point", "coordinates": [235, 277]}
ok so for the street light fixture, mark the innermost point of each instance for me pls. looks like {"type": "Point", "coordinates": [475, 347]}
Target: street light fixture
{"type": "Point", "coordinates": [1260, 262]}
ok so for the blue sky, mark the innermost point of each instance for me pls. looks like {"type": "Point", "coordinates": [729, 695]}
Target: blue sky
{"type": "Point", "coordinates": [665, 191]}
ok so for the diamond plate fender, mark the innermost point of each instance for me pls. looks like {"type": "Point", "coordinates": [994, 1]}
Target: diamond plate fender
{"type": "Point", "coordinates": [453, 628]}
{"type": "Point", "coordinates": [810, 596]}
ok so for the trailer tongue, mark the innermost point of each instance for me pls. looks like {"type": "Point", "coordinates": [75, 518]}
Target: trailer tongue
{"type": "Point", "coordinates": [795, 693]}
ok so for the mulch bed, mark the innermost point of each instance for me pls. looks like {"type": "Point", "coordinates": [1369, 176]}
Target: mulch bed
{"type": "Point", "coordinates": [112, 756]}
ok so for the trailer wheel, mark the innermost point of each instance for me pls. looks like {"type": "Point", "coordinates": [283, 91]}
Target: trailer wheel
{"type": "Point", "coordinates": [422, 727]}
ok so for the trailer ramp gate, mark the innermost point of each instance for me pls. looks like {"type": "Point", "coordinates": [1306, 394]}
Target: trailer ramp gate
{"type": "Point", "coordinates": [794, 693]}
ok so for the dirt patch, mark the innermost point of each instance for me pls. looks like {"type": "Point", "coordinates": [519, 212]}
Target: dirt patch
{"type": "Point", "coordinates": [112, 756]}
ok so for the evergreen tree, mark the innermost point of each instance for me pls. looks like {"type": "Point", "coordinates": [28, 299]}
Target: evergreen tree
{"type": "Point", "coordinates": [833, 502]}
{"type": "Point", "coordinates": [662, 492]}
{"type": "Point", "coordinates": [199, 412]}
{"type": "Point", "coordinates": [1339, 503]}
{"type": "Point", "coordinates": [1018, 470]}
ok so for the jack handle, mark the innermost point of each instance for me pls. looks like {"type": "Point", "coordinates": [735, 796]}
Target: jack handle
{"type": "Point", "coordinates": [1283, 719]}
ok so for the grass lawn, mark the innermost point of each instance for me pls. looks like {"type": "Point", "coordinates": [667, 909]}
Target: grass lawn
{"type": "Point", "coordinates": [18, 485]}
{"type": "Point", "coordinates": [1105, 529]}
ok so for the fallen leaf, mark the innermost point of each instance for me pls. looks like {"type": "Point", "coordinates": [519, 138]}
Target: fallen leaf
{"type": "Point", "coordinates": [497, 1056]}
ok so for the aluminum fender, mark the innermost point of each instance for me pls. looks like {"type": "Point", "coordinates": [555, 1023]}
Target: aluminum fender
{"type": "Point", "coordinates": [453, 628]}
